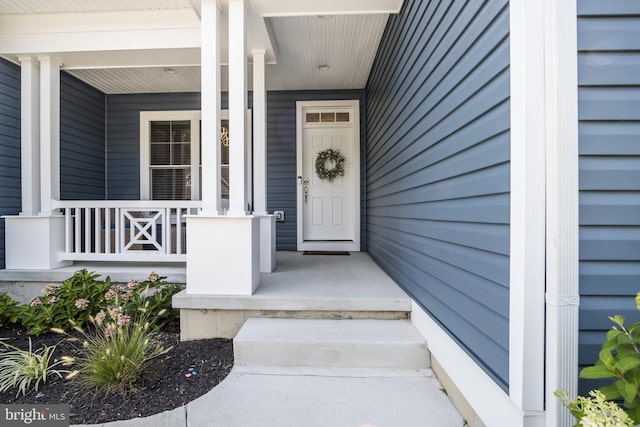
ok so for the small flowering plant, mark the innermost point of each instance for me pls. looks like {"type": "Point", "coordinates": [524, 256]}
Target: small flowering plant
{"type": "Point", "coordinates": [595, 411]}
{"type": "Point", "coordinates": [82, 296]}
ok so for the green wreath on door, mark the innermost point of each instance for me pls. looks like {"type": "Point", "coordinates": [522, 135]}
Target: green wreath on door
{"type": "Point", "coordinates": [336, 164]}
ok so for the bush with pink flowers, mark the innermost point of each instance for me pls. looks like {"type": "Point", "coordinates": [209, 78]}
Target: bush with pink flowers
{"type": "Point", "coordinates": [83, 295]}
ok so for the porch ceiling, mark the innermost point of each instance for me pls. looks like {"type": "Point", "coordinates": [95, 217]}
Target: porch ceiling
{"type": "Point", "coordinates": [298, 37]}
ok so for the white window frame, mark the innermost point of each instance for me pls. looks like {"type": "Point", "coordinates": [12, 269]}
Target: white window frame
{"type": "Point", "coordinates": [146, 117]}
{"type": "Point", "coordinates": [195, 116]}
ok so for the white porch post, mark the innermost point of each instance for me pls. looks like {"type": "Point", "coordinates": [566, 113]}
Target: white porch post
{"type": "Point", "coordinates": [223, 253]}
{"type": "Point", "coordinates": [237, 108]}
{"type": "Point", "coordinates": [210, 95]}
{"type": "Point", "coordinates": [35, 239]}
{"type": "Point", "coordinates": [30, 139]}
{"type": "Point", "coordinates": [267, 222]}
{"type": "Point", "coordinates": [49, 133]}
{"type": "Point", "coordinates": [527, 258]}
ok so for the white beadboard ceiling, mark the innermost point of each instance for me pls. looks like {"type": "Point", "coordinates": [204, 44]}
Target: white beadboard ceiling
{"type": "Point", "coordinates": [346, 42]}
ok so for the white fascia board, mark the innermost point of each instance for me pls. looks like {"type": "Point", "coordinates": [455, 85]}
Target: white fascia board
{"type": "Point", "coordinates": [325, 7]}
{"type": "Point", "coordinates": [24, 34]}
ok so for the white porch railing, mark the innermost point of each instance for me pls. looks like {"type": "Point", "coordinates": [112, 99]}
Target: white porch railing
{"type": "Point", "coordinates": [125, 230]}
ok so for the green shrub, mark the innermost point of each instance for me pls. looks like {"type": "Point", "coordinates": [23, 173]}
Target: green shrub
{"type": "Point", "coordinates": [26, 369]}
{"type": "Point", "coordinates": [10, 310]}
{"type": "Point", "coordinates": [82, 296]}
{"type": "Point", "coordinates": [116, 352]}
{"type": "Point", "coordinates": [619, 360]}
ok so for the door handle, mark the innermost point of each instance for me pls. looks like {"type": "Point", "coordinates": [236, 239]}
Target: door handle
{"type": "Point", "coordinates": [299, 179]}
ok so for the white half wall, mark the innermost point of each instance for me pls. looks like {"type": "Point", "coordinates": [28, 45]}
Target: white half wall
{"type": "Point", "coordinates": [223, 255]}
{"type": "Point", "coordinates": [34, 242]}
{"type": "Point", "coordinates": [267, 243]}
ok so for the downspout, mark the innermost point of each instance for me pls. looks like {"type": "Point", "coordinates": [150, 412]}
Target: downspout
{"type": "Point", "coordinates": [562, 206]}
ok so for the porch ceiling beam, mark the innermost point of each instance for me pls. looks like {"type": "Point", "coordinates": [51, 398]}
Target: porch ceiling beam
{"type": "Point", "coordinates": [99, 41]}
{"type": "Point", "coordinates": [90, 32]}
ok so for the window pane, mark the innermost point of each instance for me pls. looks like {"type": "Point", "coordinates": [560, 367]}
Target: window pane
{"type": "Point", "coordinates": [181, 154]}
{"type": "Point", "coordinates": [171, 184]}
{"type": "Point", "coordinates": [160, 154]}
{"type": "Point", "coordinates": [327, 117]}
{"type": "Point", "coordinates": [160, 131]}
{"type": "Point", "coordinates": [313, 117]}
{"type": "Point", "coordinates": [342, 117]}
{"type": "Point", "coordinates": [181, 131]}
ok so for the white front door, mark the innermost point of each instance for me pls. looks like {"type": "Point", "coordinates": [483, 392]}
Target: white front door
{"type": "Point", "coordinates": [328, 209]}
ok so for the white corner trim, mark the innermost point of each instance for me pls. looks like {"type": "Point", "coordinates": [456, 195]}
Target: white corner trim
{"type": "Point", "coordinates": [527, 211]}
{"type": "Point", "coordinates": [488, 400]}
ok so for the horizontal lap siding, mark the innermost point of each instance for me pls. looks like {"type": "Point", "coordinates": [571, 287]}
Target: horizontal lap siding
{"type": "Point", "coordinates": [437, 162]}
{"type": "Point", "coordinates": [82, 140]}
{"type": "Point", "coordinates": [281, 156]}
{"type": "Point", "coordinates": [10, 199]}
{"type": "Point", "coordinates": [609, 138]}
{"type": "Point", "coordinates": [123, 130]}
{"type": "Point", "coordinates": [124, 145]}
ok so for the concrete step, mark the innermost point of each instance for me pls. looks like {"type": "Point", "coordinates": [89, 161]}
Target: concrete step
{"type": "Point", "coordinates": [355, 343]}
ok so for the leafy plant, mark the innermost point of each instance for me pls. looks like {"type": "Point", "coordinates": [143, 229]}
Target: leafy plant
{"type": "Point", "coordinates": [116, 352]}
{"type": "Point", "coordinates": [26, 369]}
{"type": "Point", "coordinates": [10, 310]}
{"type": "Point", "coordinates": [83, 295]}
{"type": "Point", "coordinates": [619, 360]}
{"type": "Point", "coordinates": [595, 411]}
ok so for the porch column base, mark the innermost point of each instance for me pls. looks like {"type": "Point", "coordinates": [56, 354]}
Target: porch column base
{"type": "Point", "coordinates": [34, 242]}
{"type": "Point", "coordinates": [223, 255]}
{"type": "Point", "coordinates": [267, 243]}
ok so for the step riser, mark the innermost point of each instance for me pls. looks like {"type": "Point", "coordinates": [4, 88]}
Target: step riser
{"type": "Point", "coordinates": [334, 355]}
{"type": "Point", "coordinates": [390, 344]}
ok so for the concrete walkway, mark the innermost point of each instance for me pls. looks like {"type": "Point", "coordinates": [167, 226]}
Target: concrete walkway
{"type": "Point", "coordinates": [318, 372]}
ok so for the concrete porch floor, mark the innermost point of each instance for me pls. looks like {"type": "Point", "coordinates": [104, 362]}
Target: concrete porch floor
{"type": "Point", "coordinates": [302, 286]}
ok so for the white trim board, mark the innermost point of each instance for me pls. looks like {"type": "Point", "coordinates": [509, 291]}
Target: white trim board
{"type": "Point", "coordinates": [488, 400]}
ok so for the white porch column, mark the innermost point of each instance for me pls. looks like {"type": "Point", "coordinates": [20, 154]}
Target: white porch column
{"type": "Point", "coordinates": [527, 257]}
{"type": "Point", "coordinates": [267, 222]}
{"type": "Point", "coordinates": [237, 108]}
{"type": "Point", "coordinates": [210, 95]}
{"type": "Point", "coordinates": [49, 133]}
{"type": "Point", "coordinates": [35, 239]}
{"type": "Point", "coordinates": [223, 252]}
{"type": "Point", "coordinates": [30, 135]}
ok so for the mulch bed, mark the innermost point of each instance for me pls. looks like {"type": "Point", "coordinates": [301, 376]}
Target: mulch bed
{"type": "Point", "coordinates": [163, 386]}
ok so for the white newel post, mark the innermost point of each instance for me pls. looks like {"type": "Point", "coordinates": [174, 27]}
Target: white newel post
{"type": "Point", "coordinates": [35, 239]}
{"type": "Point", "coordinates": [267, 222]}
{"type": "Point", "coordinates": [223, 254]}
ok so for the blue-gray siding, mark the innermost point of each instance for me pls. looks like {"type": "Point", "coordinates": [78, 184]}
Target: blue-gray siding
{"type": "Point", "coordinates": [609, 144]}
{"type": "Point", "coordinates": [82, 140]}
{"type": "Point", "coordinates": [124, 145]}
{"type": "Point", "coordinates": [437, 162]}
{"type": "Point", "coordinates": [123, 136]}
{"type": "Point", "coordinates": [10, 199]}
{"type": "Point", "coordinates": [281, 156]}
